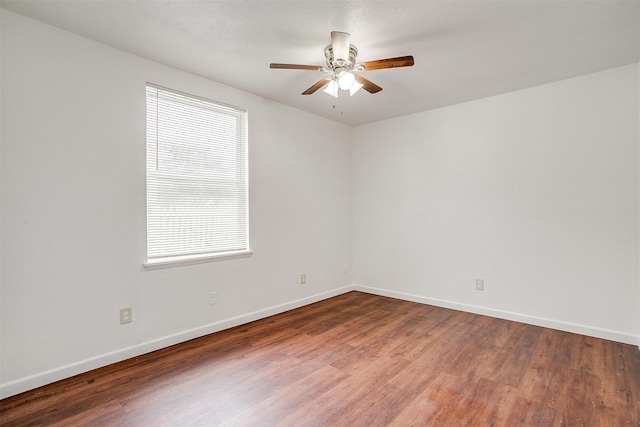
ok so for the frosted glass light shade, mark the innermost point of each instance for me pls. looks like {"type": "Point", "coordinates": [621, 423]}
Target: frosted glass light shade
{"type": "Point", "coordinates": [346, 80]}
{"type": "Point", "coordinates": [331, 88]}
{"type": "Point", "coordinates": [354, 88]}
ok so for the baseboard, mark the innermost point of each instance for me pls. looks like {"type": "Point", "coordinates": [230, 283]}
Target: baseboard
{"type": "Point", "coordinates": [48, 377]}
{"type": "Point", "coordinates": [508, 315]}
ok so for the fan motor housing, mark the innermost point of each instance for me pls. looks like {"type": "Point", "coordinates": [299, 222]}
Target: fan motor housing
{"type": "Point", "coordinates": [332, 64]}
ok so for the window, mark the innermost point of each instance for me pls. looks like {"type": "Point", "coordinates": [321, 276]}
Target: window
{"type": "Point", "coordinates": [197, 189]}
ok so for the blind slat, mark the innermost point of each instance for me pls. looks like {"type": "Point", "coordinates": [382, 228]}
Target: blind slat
{"type": "Point", "coordinates": [197, 189]}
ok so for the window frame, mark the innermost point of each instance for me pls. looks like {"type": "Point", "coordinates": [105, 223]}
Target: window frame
{"type": "Point", "coordinates": [201, 257]}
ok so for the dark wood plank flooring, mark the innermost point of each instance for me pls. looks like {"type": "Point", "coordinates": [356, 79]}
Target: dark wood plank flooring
{"type": "Point", "coordinates": [355, 360]}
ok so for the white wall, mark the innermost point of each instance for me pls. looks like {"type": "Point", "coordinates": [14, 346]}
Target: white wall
{"type": "Point", "coordinates": [534, 191]}
{"type": "Point", "coordinates": [73, 211]}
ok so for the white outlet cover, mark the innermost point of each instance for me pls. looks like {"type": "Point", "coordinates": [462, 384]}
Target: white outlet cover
{"type": "Point", "coordinates": [126, 315]}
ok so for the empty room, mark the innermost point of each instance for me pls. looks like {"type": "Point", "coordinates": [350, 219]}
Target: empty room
{"type": "Point", "coordinates": [320, 213]}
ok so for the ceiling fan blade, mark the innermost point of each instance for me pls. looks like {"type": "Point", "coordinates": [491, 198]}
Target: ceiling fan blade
{"type": "Point", "coordinates": [367, 85]}
{"type": "Point", "coordinates": [340, 45]}
{"type": "Point", "coordinates": [323, 81]}
{"type": "Point", "coordinates": [401, 61]}
{"type": "Point", "coordinates": [295, 67]}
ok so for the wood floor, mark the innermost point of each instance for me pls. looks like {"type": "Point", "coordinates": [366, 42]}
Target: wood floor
{"type": "Point", "coordinates": [355, 360]}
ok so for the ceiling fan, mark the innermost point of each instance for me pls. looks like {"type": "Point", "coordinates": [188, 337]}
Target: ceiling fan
{"type": "Point", "coordinates": [341, 63]}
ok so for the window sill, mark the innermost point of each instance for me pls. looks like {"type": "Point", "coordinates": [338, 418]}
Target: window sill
{"type": "Point", "coordinates": [180, 261]}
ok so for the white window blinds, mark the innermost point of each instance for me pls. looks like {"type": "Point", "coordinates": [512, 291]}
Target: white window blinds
{"type": "Point", "coordinates": [197, 195]}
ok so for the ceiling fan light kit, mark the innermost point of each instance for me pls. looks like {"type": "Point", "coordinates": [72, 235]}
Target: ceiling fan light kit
{"type": "Point", "coordinates": [341, 62]}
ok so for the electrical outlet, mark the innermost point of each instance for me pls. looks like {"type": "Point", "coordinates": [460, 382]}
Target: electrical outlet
{"type": "Point", "coordinates": [213, 297]}
{"type": "Point", "coordinates": [479, 284]}
{"type": "Point", "coordinates": [126, 315]}
{"type": "Point", "coordinates": [303, 278]}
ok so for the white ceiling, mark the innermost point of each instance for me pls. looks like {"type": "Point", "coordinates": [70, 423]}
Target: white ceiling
{"type": "Point", "coordinates": [463, 50]}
